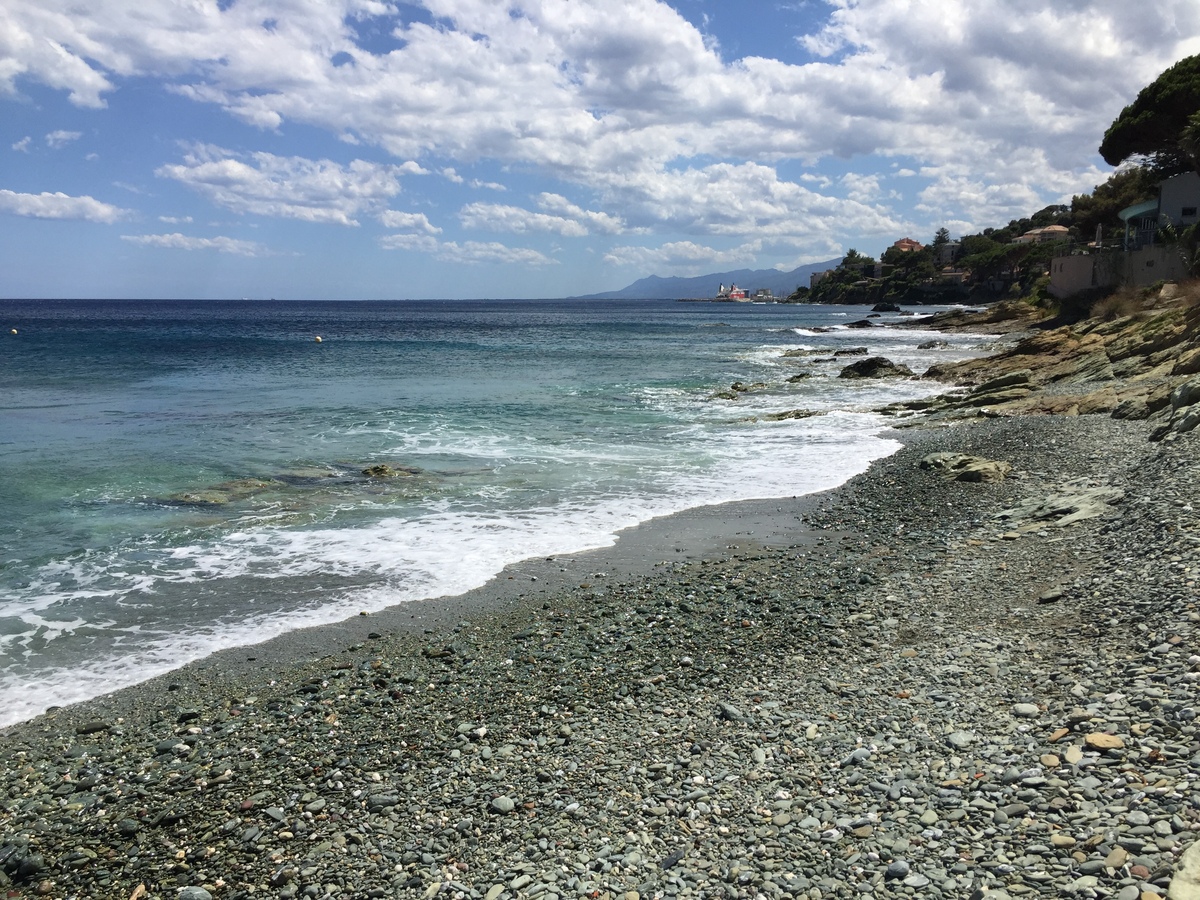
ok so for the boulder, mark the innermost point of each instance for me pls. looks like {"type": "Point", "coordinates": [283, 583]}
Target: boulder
{"type": "Point", "coordinates": [1185, 411]}
{"type": "Point", "coordinates": [1185, 883]}
{"type": "Point", "coordinates": [1075, 502]}
{"type": "Point", "coordinates": [791, 414]}
{"type": "Point", "coordinates": [1187, 394]}
{"type": "Point", "coordinates": [875, 367]}
{"type": "Point", "coordinates": [886, 307]}
{"type": "Point", "coordinates": [861, 323]}
{"type": "Point", "coordinates": [961, 467]}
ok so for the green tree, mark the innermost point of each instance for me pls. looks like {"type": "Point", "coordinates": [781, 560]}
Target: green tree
{"type": "Point", "coordinates": [974, 244]}
{"type": "Point", "coordinates": [1123, 188]}
{"type": "Point", "coordinates": [1055, 214]}
{"type": "Point", "coordinates": [907, 271]}
{"type": "Point", "coordinates": [1160, 123]}
{"type": "Point", "coordinates": [855, 260]}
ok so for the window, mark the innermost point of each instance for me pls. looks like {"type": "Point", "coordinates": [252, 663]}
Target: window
{"type": "Point", "coordinates": [1188, 212]}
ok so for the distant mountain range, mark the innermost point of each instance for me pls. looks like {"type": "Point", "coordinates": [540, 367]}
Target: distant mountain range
{"type": "Point", "coordinates": [656, 288]}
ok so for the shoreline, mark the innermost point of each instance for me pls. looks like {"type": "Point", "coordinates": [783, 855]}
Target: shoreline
{"type": "Point", "coordinates": [906, 686]}
{"type": "Point", "coordinates": [790, 718]}
{"type": "Point", "coordinates": [692, 535]}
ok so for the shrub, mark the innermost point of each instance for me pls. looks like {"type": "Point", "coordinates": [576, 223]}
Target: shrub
{"type": "Point", "coordinates": [1119, 305]}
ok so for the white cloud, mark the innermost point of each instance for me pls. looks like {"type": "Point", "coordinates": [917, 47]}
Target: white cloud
{"type": "Point", "coordinates": [177, 241]}
{"type": "Point", "coordinates": [492, 252]}
{"type": "Point", "coordinates": [494, 217]}
{"type": "Point", "coordinates": [558, 216]}
{"type": "Point", "coordinates": [488, 185]}
{"type": "Point", "coordinates": [597, 222]}
{"type": "Point", "coordinates": [60, 206]}
{"type": "Point", "coordinates": [287, 187]}
{"type": "Point", "coordinates": [746, 199]}
{"type": "Point", "coordinates": [469, 252]}
{"type": "Point", "coordinates": [682, 257]}
{"type": "Point", "coordinates": [628, 100]}
{"type": "Point", "coordinates": [175, 220]}
{"type": "Point", "coordinates": [22, 146]}
{"type": "Point", "coordinates": [408, 221]}
{"type": "Point", "coordinates": [420, 243]}
{"type": "Point", "coordinates": [861, 188]}
{"type": "Point", "coordinates": [56, 140]}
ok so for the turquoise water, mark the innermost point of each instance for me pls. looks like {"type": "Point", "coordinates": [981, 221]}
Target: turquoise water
{"type": "Point", "coordinates": [180, 477]}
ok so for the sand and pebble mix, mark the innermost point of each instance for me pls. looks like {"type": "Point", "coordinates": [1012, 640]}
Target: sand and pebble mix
{"type": "Point", "coordinates": [937, 689]}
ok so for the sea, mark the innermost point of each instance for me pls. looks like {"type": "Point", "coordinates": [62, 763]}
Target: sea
{"type": "Point", "coordinates": [177, 478]}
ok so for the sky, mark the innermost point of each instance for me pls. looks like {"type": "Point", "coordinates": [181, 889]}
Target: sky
{"type": "Point", "coordinates": [367, 149]}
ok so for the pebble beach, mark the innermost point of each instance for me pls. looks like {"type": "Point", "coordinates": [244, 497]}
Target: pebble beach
{"type": "Point", "coordinates": [911, 686]}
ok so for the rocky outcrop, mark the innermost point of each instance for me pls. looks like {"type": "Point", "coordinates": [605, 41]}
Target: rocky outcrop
{"type": "Point", "coordinates": [1072, 502]}
{"type": "Point", "coordinates": [792, 414]}
{"type": "Point", "coordinates": [737, 389]}
{"type": "Point", "coordinates": [875, 367]}
{"type": "Point", "coordinates": [1127, 367]}
{"type": "Point", "coordinates": [1185, 411]}
{"type": "Point", "coordinates": [961, 467]}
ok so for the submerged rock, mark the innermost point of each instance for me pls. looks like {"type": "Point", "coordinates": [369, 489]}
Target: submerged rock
{"type": "Point", "coordinates": [220, 494]}
{"type": "Point", "coordinates": [792, 414]}
{"type": "Point", "coordinates": [383, 470]}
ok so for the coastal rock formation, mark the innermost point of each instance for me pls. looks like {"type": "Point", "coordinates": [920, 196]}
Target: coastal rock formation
{"type": "Point", "coordinates": [1124, 365]}
{"type": "Point", "coordinates": [1070, 503]}
{"type": "Point", "coordinates": [792, 414]}
{"type": "Point", "coordinates": [962, 467]}
{"type": "Point", "coordinates": [875, 367]}
{"type": "Point", "coordinates": [1185, 411]}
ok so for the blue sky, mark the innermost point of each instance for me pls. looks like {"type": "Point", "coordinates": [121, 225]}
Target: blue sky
{"type": "Point", "coordinates": [537, 148]}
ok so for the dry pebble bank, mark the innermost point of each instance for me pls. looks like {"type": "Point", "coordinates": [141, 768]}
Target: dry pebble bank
{"type": "Point", "coordinates": [946, 690]}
